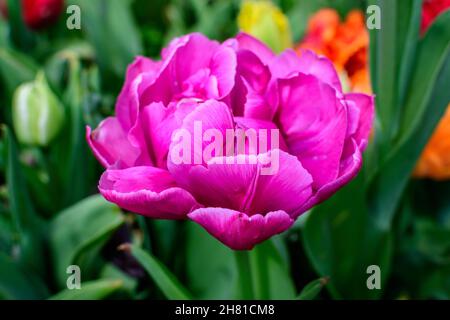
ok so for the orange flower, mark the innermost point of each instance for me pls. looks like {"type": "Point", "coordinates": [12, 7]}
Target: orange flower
{"type": "Point", "coordinates": [435, 159]}
{"type": "Point", "coordinates": [345, 43]}
{"type": "Point", "coordinates": [321, 31]}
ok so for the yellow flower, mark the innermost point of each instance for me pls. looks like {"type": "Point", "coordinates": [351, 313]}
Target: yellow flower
{"type": "Point", "coordinates": [263, 20]}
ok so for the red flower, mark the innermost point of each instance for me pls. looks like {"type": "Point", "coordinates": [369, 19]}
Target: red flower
{"type": "Point", "coordinates": [39, 14]}
{"type": "Point", "coordinates": [3, 9]}
{"type": "Point", "coordinates": [430, 10]}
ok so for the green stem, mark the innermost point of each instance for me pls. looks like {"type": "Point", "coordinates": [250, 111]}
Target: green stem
{"type": "Point", "coordinates": [260, 273]}
{"type": "Point", "coordinates": [244, 274]}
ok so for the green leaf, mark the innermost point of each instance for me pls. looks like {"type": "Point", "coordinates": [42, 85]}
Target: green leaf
{"type": "Point", "coordinates": [218, 266]}
{"type": "Point", "coordinates": [92, 290]}
{"type": "Point", "coordinates": [22, 209]}
{"type": "Point", "coordinates": [214, 17]}
{"type": "Point", "coordinates": [110, 271]}
{"type": "Point", "coordinates": [436, 284]}
{"type": "Point", "coordinates": [110, 28]}
{"type": "Point", "coordinates": [3, 33]}
{"type": "Point", "coordinates": [392, 57]}
{"type": "Point", "coordinates": [424, 107]}
{"type": "Point", "coordinates": [164, 279]}
{"type": "Point", "coordinates": [79, 232]}
{"type": "Point", "coordinates": [386, 64]}
{"type": "Point", "coordinates": [432, 54]}
{"type": "Point", "coordinates": [20, 35]}
{"type": "Point", "coordinates": [387, 187]}
{"type": "Point", "coordinates": [79, 154]}
{"type": "Point", "coordinates": [329, 237]}
{"type": "Point", "coordinates": [433, 241]}
{"type": "Point", "coordinates": [166, 235]}
{"type": "Point", "coordinates": [312, 289]}
{"type": "Point", "coordinates": [26, 222]}
{"type": "Point", "coordinates": [271, 276]}
{"type": "Point", "coordinates": [16, 283]}
{"type": "Point", "coordinates": [15, 68]}
{"type": "Point", "coordinates": [7, 231]}
{"type": "Point", "coordinates": [39, 182]}
{"type": "Point", "coordinates": [407, 53]}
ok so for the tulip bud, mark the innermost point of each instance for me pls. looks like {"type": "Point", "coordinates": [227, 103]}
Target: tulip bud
{"type": "Point", "coordinates": [38, 115]}
{"type": "Point", "coordinates": [39, 14]}
{"type": "Point", "coordinates": [266, 22]}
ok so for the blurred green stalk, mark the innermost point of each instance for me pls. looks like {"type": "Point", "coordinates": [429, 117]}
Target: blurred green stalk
{"type": "Point", "coordinates": [245, 282]}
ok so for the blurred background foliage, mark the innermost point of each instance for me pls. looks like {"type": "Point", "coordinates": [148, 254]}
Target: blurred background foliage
{"type": "Point", "coordinates": [51, 215]}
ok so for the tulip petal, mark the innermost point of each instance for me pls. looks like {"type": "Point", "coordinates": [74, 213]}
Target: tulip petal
{"type": "Point", "coordinates": [244, 183]}
{"type": "Point", "coordinates": [149, 191]}
{"type": "Point", "coordinates": [255, 73]}
{"type": "Point", "coordinates": [154, 127]}
{"type": "Point", "coordinates": [314, 123]}
{"type": "Point", "coordinates": [288, 64]}
{"type": "Point", "coordinates": [350, 165]}
{"type": "Point", "coordinates": [208, 115]}
{"type": "Point", "coordinates": [110, 144]}
{"type": "Point", "coordinates": [223, 67]}
{"type": "Point", "coordinates": [210, 74]}
{"type": "Point", "coordinates": [365, 104]}
{"type": "Point", "coordinates": [238, 230]}
{"type": "Point", "coordinates": [247, 42]}
{"type": "Point", "coordinates": [255, 77]}
{"type": "Point", "coordinates": [128, 102]}
{"type": "Point", "coordinates": [198, 50]}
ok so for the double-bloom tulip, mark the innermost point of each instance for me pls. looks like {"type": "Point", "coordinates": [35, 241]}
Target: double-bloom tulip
{"type": "Point", "coordinates": [237, 84]}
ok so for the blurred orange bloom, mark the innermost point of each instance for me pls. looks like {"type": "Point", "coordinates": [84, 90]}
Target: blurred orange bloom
{"type": "Point", "coordinates": [344, 42]}
{"type": "Point", "coordinates": [435, 159]}
{"type": "Point", "coordinates": [434, 162]}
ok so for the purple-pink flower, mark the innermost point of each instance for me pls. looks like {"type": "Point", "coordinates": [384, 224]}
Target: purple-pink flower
{"type": "Point", "coordinates": [237, 84]}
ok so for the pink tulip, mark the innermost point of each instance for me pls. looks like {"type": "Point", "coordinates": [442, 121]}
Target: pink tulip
{"type": "Point", "coordinates": [239, 84]}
